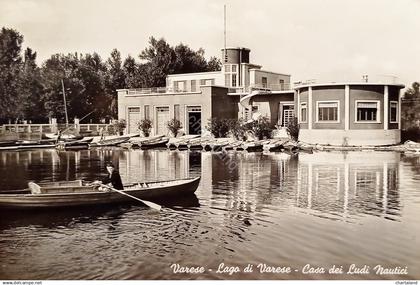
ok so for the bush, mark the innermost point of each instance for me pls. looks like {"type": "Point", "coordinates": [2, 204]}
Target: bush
{"type": "Point", "coordinates": [119, 126]}
{"type": "Point", "coordinates": [219, 128]}
{"type": "Point", "coordinates": [261, 128]}
{"type": "Point", "coordinates": [238, 129]}
{"type": "Point", "coordinates": [412, 134]}
{"type": "Point", "coordinates": [174, 126]}
{"type": "Point", "coordinates": [145, 126]}
{"type": "Point", "coordinates": [293, 129]}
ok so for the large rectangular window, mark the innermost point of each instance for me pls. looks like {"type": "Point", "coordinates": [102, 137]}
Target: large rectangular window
{"type": "Point", "coordinates": [176, 112]}
{"type": "Point", "coordinates": [146, 111]}
{"type": "Point", "coordinates": [233, 80]}
{"type": "Point", "coordinates": [367, 111]}
{"type": "Point", "coordinates": [303, 112]}
{"type": "Point", "coordinates": [281, 84]}
{"type": "Point", "coordinates": [393, 112]}
{"type": "Point", "coordinates": [264, 82]}
{"type": "Point", "coordinates": [227, 79]}
{"type": "Point", "coordinates": [231, 75]}
{"type": "Point", "coordinates": [327, 111]}
{"type": "Point", "coordinates": [179, 86]}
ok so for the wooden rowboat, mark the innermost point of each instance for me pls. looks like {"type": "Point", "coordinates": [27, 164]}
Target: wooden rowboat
{"type": "Point", "coordinates": [78, 144]}
{"type": "Point", "coordinates": [110, 142]}
{"type": "Point", "coordinates": [79, 193]}
{"type": "Point", "coordinates": [161, 142]}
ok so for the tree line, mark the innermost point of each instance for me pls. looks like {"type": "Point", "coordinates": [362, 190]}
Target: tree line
{"type": "Point", "coordinates": [34, 93]}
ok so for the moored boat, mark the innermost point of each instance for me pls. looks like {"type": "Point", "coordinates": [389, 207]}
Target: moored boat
{"type": "Point", "coordinates": [78, 144]}
{"type": "Point", "coordinates": [62, 136]}
{"type": "Point", "coordinates": [159, 142]}
{"type": "Point", "coordinates": [80, 193]}
{"type": "Point", "coordinates": [27, 144]}
{"type": "Point", "coordinates": [111, 141]}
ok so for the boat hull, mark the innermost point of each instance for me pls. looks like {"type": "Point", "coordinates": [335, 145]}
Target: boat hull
{"type": "Point", "coordinates": [58, 200]}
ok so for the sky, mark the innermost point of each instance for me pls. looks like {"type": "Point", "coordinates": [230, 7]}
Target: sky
{"type": "Point", "coordinates": [322, 40]}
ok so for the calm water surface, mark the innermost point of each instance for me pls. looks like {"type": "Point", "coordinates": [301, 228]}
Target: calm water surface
{"type": "Point", "coordinates": [321, 209]}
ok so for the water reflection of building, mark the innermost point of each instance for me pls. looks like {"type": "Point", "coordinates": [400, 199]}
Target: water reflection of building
{"type": "Point", "coordinates": [154, 165]}
{"type": "Point", "coordinates": [333, 184]}
{"type": "Point", "coordinates": [350, 183]}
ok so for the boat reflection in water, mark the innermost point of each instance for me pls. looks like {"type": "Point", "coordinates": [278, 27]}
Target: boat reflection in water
{"type": "Point", "coordinates": [285, 210]}
{"type": "Point", "coordinates": [337, 184]}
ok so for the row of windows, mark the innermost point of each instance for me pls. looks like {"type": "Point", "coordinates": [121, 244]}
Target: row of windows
{"type": "Point", "coordinates": [136, 110]}
{"type": "Point", "coordinates": [181, 86]}
{"type": "Point", "coordinates": [366, 111]}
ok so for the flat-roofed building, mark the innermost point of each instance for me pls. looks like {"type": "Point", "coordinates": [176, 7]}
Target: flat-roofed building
{"type": "Point", "coordinates": [194, 98]}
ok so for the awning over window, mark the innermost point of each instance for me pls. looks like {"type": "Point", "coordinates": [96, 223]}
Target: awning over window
{"type": "Point", "coordinates": [367, 105]}
{"type": "Point", "coordinates": [328, 105]}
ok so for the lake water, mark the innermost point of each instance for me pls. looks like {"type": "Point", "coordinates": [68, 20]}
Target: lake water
{"type": "Point", "coordinates": [322, 209]}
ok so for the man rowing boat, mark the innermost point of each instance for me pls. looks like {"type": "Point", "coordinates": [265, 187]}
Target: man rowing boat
{"type": "Point", "coordinates": [113, 178]}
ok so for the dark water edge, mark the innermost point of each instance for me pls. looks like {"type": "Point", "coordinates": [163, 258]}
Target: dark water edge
{"type": "Point", "coordinates": [322, 209]}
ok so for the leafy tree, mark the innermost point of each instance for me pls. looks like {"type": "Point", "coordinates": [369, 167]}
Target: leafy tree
{"type": "Point", "coordinates": [10, 63]}
{"type": "Point", "coordinates": [160, 60]}
{"type": "Point", "coordinates": [131, 73]}
{"type": "Point", "coordinates": [410, 107]}
{"type": "Point", "coordinates": [115, 79]}
{"type": "Point", "coordinates": [84, 80]}
{"type": "Point", "coordinates": [35, 93]}
{"type": "Point", "coordinates": [59, 67]}
{"type": "Point", "coordinates": [214, 64]}
{"type": "Point", "coordinates": [31, 89]}
{"type": "Point", "coordinates": [188, 60]}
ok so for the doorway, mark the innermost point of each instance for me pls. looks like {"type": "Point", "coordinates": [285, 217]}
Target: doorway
{"type": "Point", "coordinates": [286, 113]}
{"type": "Point", "coordinates": [194, 120]}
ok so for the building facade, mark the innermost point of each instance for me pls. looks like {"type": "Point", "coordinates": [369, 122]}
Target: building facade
{"type": "Point", "coordinates": [194, 98]}
{"type": "Point", "coordinates": [349, 113]}
{"type": "Point", "coordinates": [358, 113]}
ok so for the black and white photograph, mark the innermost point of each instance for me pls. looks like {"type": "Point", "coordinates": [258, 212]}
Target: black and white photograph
{"type": "Point", "coordinates": [209, 140]}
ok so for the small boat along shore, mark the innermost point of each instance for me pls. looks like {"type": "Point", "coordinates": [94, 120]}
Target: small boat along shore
{"type": "Point", "coordinates": [79, 193]}
{"type": "Point", "coordinates": [196, 142]}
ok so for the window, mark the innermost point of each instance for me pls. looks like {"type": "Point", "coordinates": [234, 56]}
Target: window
{"type": "Point", "coordinates": [207, 82]}
{"type": "Point", "coordinates": [176, 112]}
{"type": "Point", "coordinates": [303, 112]}
{"type": "Point", "coordinates": [227, 79]}
{"type": "Point", "coordinates": [193, 86]}
{"type": "Point", "coordinates": [264, 82]}
{"type": "Point", "coordinates": [146, 112]}
{"type": "Point", "coordinates": [231, 79]}
{"type": "Point", "coordinates": [327, 111]}
{"type": "Point", "coordinates": [367, 111]}
{"type": "Point", "coordinates": [134, 110]}
{"type": "Point", "coordinates": [179, 86]}
{"type": "Point", "coordinates": [281, 83]}
{"type": "Point", "coordinates": [194, 109]}
{"type": "Point", "coordinates": [393, 112]}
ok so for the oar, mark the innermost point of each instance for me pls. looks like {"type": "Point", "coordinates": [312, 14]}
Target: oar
{"type": "Point", "coordinates": [147, 203]}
